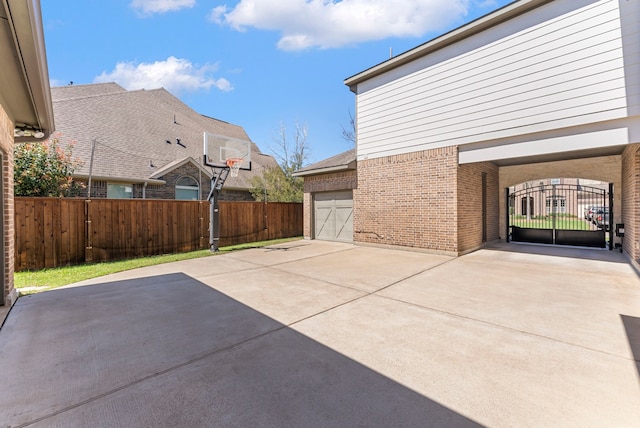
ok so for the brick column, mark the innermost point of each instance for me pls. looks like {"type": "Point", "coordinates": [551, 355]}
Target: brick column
{"type": "Point", "coordinates": [470, 205]}
{"type": "Point", "coordinates": [9, 293]}
{"type": "Point", "coordinates": [631, 200]}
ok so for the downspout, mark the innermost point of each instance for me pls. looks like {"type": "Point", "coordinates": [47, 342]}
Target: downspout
{"type": "Point", "coordinates": [144, 190]}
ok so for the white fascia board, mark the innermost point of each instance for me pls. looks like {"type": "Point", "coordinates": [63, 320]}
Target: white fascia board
{"type": "Point", "coordinates": [546, 146]}
{"type": "Point", "coordinates": [119, 179]}
{"type": "Point", "coordinates": [325, 170]}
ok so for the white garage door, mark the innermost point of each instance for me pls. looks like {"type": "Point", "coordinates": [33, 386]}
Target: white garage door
{"type": "Point", "coordinates": [333, 214]}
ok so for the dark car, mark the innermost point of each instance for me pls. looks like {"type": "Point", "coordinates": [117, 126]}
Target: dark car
{"type": "Point", "coordinates": [600, 218]}
{"type": "Point", "coordinates": [590, 211]}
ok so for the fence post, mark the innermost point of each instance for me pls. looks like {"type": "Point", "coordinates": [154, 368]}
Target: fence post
{"type": "Point", "coordinates": [611, 221]}
{"type": "Point", "coordinates": [203, 240]}
{"type": "Point", "coordinates": [508, 212]}
{"type": "Point", "coordinates": [88, 240]}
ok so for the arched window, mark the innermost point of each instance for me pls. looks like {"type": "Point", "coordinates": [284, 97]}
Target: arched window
{"type": "Point", "coordinates": [187, 189]}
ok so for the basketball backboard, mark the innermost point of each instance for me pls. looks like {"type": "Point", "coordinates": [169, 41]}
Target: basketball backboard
{"type": "Point", "coordinates": [220, 149]}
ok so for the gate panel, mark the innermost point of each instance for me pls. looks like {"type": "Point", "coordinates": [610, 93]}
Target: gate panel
{"type": "Point", "coordinates": [582, 238]}
{"type": "Point", "coordinates": [527, 234]}
{"type": "Point", "coordinates": [561, 214]}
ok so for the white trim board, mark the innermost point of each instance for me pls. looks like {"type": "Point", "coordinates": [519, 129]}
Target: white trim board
{"type": "Point", "coordinates": [545, 146]}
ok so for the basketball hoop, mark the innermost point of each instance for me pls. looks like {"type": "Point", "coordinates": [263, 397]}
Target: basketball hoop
{"type": "Point", "coordinates": [234, 166]}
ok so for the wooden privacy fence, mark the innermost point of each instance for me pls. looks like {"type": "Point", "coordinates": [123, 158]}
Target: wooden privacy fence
{"type": "Point", "coordinates": [52, 232]}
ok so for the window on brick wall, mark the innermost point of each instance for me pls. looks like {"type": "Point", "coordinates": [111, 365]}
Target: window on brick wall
{"type": "Point", "coordinates": [187, 188]}
{"type": "Point", "coordinates": [559, 205]}
{"type": "Point", "coordinates": [119, 191]}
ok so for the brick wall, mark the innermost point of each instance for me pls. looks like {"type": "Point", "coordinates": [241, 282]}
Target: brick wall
{"type": "Point", "coordinates": [168, 190]}
{"type": "Point", "coordinates": [98, 189]}
{"type": "Point", "coordinates": [344, 180]}
{"type": "Point", "coordinates": [307, 216]}
{"type": "Point", "coordinates": [631, 200]}
{"type": "Point", "coordinates": [9, 294]}
{"type": "Point", "coordinates": [409, 200]}
{"type": "Point", "coordinates": [470, 205]}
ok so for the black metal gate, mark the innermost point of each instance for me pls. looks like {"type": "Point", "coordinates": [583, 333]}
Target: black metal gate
{"type": "Point", "coordinates": [560, 214]}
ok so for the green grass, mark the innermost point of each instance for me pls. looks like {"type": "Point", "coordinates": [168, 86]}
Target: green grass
{"type": "Point", "coordinates": [547, 223]}
{"type": "Point", "coordinates": [30, 282]}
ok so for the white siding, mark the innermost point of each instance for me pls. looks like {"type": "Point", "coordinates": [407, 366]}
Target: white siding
{"type": "Point", "coordinates": [565, 69]}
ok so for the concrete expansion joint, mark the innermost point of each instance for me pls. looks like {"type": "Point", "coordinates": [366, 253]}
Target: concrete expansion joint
{"type": "Point", "coordinates": [365, 293]}
{"type": "Point", "coordinates": [288, 261]}
{"type": "Point", "coordinates": [258, 266]}
{"type": "Point", "coordinates": [507, 328]}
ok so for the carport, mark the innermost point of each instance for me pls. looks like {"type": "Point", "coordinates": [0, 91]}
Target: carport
{"type": "Point", "coordinates": [577, 166]}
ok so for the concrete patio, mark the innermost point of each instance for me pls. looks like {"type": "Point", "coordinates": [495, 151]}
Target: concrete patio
{"type": "Point", "coordinates": [318, 334]}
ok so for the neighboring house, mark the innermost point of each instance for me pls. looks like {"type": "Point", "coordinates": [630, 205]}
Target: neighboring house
{"type": "Point", "coordinates": [26, 113]}
{"type": "Point", "coordinates": [536, 90]}
{"type": "Point", "coordinates": [145, 144]}
{"type": "Point", "coordinates": [543, 197]}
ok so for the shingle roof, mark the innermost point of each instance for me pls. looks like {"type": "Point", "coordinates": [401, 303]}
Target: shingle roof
{"type": "Point", "coordinates": [136, 132]}
{"type": "Point", "coordinates": [81, 91]}
{"type": "Point", "coordinates": [342, 161]}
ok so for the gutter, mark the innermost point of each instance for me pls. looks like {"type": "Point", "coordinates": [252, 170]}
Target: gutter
{"type": "Point", "coordinates": [325, 170]}
{"type": "Point", "coordinates": [121, 179]}
{"type": "Point", "coordinates": [32, 58]}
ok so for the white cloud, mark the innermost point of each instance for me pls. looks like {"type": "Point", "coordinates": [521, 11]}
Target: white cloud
{"type": "Point", "coordinates": [160, 6]}
{"type": "Point", "coordinates": [217, 14]}
{"type": "Point", "coordinates": [175, 75]}
{"type": "Point", "coordinates": [332, 23]}
{"type": "Point", "coordinates": [57, 82]}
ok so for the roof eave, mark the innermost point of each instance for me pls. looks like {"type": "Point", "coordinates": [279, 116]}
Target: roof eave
{"type": "Point", "coordinates": [326, 170]}
{"type": "Point", "coordinates": [25, 24]}
{"type": "Point", "coordinates": [120, 179]}
{"type": "Point", "coordinates": [492, 19]}
{"type": "Point", "coordinates": [166, 169]}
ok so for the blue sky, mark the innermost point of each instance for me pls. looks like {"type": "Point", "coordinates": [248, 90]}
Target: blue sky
{"type": "Point", "coordinates": [254, 63]}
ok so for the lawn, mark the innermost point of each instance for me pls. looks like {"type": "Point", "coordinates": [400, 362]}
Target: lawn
{"type": "Point", "coordinates": [562, 223]}
{"type": "Point", "coordinates": [30, 282]}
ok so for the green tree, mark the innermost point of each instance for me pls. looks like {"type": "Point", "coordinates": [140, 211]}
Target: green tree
{"type": "Point", "coordinates": [273, 186]}
{"type": "Point", "coordinates": [44, 168]}
{"type": "Point", "coordinates": [279, 184]}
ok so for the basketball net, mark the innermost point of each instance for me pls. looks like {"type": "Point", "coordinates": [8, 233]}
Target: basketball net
{"type": "Point", "coordinates": [234, 166]}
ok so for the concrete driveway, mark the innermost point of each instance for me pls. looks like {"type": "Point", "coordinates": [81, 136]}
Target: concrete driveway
{"type": "Point", "coordinates": [317, 334]}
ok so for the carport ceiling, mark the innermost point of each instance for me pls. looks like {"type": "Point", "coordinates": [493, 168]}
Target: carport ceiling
{"type": "Point", "coordinates": [576, 154]}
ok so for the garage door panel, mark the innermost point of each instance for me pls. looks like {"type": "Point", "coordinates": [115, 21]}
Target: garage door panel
{"type": "Point", "coordinates": [344, 223]}
{"type": "Point", "coordinates": [333, 213]}
{"type": "Point", "coordinates": [325, 222]}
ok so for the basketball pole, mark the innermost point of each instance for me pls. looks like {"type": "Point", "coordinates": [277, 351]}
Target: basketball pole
{"type": "Point", "coordinates": [217, 181]}
{"type": "Point", "coordinates": [224, 155]}
{"type": "Point", "coordinates": [214, 221]}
